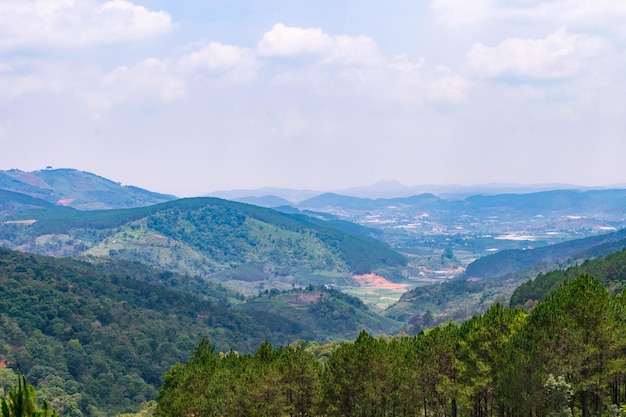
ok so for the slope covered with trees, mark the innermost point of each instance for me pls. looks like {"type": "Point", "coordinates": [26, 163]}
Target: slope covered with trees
{"type": "Point", "coordinates": [564, 358]}
{"type": "Point", "coordinates": [610, 271]}
{"type": "Point", "coordinates": [96, 342]}
{"type": "Point", "coordinates": [204, 236]}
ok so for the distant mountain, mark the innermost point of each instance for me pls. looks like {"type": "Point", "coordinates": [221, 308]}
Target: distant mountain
{"type": "Point", "coordinates": [206, 236]}
{"type": "Point", "coordinates": [269, 201]}
{"type": "Point", "coordinates": [610, 200]}
{"type": "Point", "coordinates": [78, 189]}
{"type": "Point", "coordinates": [338, 201]}
{"type": "Point", "coordinates": [395, 189]}
{"type": "Point", "coordinates": [293, 196]}
{"type": "Point", "coordinates": [597, 201]}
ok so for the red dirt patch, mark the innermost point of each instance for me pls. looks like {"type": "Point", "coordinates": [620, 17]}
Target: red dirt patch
{"type": "Point", "coordinates": [376, 281]}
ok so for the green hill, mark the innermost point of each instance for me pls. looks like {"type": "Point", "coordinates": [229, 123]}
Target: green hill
{"type": "Point", "coordinates": [204, 236]}
{"type": "Point", "coordinates": [609, 270]}
{"type": "Point", "coordinates": [329, 313]}
{"type": "Point", "coordinates": [77, 189]}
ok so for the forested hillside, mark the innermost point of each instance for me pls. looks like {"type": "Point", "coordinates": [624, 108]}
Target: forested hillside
{"type": "Point", "coordinates": [610, 271]}
{"type": "Point", "coordinates": [564, 358]}
{"type": "Point", "coordinates": [205, 236]}
{"type": "Point", "coordinates": [331, 313]}
{"type": "Point", "coordinates": [94, 342]}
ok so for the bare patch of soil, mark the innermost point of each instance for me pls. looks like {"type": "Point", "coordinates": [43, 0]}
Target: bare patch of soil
{"type": "Point", "coordinates": [376, 281]}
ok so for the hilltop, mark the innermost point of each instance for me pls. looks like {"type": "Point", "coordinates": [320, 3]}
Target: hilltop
{"type": "Point", "coordinates": [78, 189]}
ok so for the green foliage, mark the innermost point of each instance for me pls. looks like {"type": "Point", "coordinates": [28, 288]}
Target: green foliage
{"type": "Point", "coordinates": [326, 313]}
{"type": "Point", "coordinates": [564, 358]}
{"type": "Point", "coordinates": [95, 342]}
{"type": "Point", "coordinates": [21, 401]}
{"type": "Point", "coordinates": [610, 271]}
{"type": "Point", "coordinates": [206, 235]}
{"type": "Point", "coordinates": [282, 381]}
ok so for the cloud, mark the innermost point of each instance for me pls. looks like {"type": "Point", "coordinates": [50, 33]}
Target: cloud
{"type": "Point", "coordinates": [419, 82]}
{"type": "Point", "coordinates": [76, 23]}
{"type": "Point", "coordinates": [168, 80]}
{"type": "Point", "coordinates": [149, 80]}
{"type": "Point", "coordinates": [572, 13]}
{"type": "Point", "coordinates": [220, 59]}
{"type": "Point", "coordinates": [284, 41]}
{"type": "Point", "coordinates": [559, 55]}
{"type": "Point", "coordinates": [334, 68]}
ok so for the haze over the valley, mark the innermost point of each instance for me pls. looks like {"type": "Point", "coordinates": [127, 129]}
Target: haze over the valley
{"type": "Point", "coordinates": [191, 97]}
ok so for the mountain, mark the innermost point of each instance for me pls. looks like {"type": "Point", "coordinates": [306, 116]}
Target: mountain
{"type": "Point", "coordinates": [338, 201]}
{"type": "Point", "coordinates": [95, 335]}
{"type": "Point", "coordinates": [270, 201]}
{"type": "Point", "coordinates": [201, 236]}
{"type": "Point", "coordinates": [597, 201]}
{"type": "Point", "coordinates": [293, 196]}
{"type": "Point", "coordinates": [78, 189]}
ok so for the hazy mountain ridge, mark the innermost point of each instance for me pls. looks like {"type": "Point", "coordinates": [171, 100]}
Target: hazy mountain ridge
{"type": "Point", "coordinates": [78, 189]}
{"type": "Point", "coordinates": [533, 203]}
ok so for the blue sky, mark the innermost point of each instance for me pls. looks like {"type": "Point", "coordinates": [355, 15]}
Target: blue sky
{"type": "Point", "coordinates": [197, 96]}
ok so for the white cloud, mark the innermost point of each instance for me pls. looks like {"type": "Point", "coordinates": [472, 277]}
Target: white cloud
{"type": "Point", "coordinates": [292, 41]}
{"type": "Point", "coordinates": [419, 82]}
{"type": "Point", "coordinates": [284, 41]}
{"type": "Point", "coordinates": [149, 80]}
{"type": "Point", "coordinates": [573, 13]}
{"type": "Point", "coordinates": [559, 55]}
{"type": "Point", "coordinates": [71, 23]}
{"type": "Point", "coordinates": [168, 80]}
{"type": "Point", "coordinates": [219, 59]}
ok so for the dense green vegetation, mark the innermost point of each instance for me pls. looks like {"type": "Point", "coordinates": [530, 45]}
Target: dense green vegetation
{"type": "Point", "coordinates": [330, 313]}
{"type": "Point", "coordinates": [564, 358]}
{"type": "Point", "coordinates": [206, 236]}
{"type": "Point", "coordinates": [610, 271]}
{"type": "Point", "coordinates": [98, 342]}
{"type": "Point", "coordinates": [21, 401]}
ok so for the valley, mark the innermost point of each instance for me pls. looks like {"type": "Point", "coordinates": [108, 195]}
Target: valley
{"type": "Point", "coordinates": [99, 302]}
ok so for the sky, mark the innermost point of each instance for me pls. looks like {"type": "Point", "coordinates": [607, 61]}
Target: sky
{"type": "Point", "coordinates": [195, 96]}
